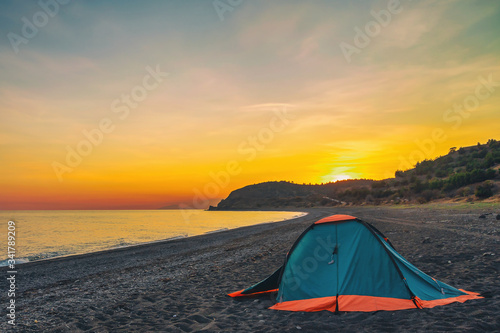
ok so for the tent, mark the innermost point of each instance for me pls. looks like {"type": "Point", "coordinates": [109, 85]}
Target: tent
{"type": "Point", "coordinates": [341, 263]}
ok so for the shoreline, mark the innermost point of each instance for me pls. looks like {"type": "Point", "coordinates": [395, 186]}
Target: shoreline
{"type": "Point", "coordinates": [182, 285]}
{"type": "Point", "coordinates": [25, 261]}
{"type": "Point", "coordinates": [141, 250]}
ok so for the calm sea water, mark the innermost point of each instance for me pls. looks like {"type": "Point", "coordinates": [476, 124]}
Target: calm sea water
{"type": "Point", "coordinates": [50, 233]}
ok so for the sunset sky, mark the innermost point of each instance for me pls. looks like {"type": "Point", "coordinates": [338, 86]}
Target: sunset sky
{"type": "Point", "coordinates": [121, 104]}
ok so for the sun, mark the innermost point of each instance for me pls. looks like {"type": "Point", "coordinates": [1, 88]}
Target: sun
{"type": "Point", "coordinates": [340, 173]}
{"type": "Point", "coordinates": [336, 178]}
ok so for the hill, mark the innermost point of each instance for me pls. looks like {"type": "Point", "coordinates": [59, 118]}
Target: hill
{"type": "Point", "coordinates": [465, 174]}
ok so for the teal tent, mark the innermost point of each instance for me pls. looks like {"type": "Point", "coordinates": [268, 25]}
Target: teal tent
{"type": "Point", "coordinates": [341, 263]}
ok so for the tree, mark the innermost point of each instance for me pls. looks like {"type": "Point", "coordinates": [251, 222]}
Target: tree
{"type": "Point", "coordinates": [489, 161]}
{"type": "Point", "coordinates": [440, 173]}
{"type": "Point", "coordinates": [399, 173]}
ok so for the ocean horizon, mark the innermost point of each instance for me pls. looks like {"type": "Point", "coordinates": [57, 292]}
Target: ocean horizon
{"type": "Point", "coordinates": [44, 234]}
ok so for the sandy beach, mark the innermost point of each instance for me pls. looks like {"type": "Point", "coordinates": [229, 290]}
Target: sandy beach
{"type": "Point", "coordinates": [181, 285]}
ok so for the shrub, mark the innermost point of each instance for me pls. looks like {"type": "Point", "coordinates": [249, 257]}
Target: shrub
{"type": "Point", "coordinates": [421, 200]}
{"type": "Point", "coordinates": [418, 186]}
{"type": "Point", "coordinates": [464, 192]}
{"type": "Point", "coordinates": [379, 184]}
{"type": "Point", "coordinates": [428, 195]}
{"type": "Point", "coordinates": [485, 190]}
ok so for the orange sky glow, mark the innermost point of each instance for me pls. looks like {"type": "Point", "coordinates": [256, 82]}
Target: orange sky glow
{"type": "Point", "coordinates": [155, 104]}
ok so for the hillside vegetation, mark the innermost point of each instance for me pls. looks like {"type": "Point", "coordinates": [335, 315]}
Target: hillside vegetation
{"type": "Point", "coordinates": [464, 174]}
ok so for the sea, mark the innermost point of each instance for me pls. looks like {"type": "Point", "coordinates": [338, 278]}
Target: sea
{"type": "Point", "coordinates": [43, 234]}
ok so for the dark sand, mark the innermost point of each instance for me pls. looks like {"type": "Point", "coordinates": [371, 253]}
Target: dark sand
{"type": "Point", "coordinates": [181, 285]}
